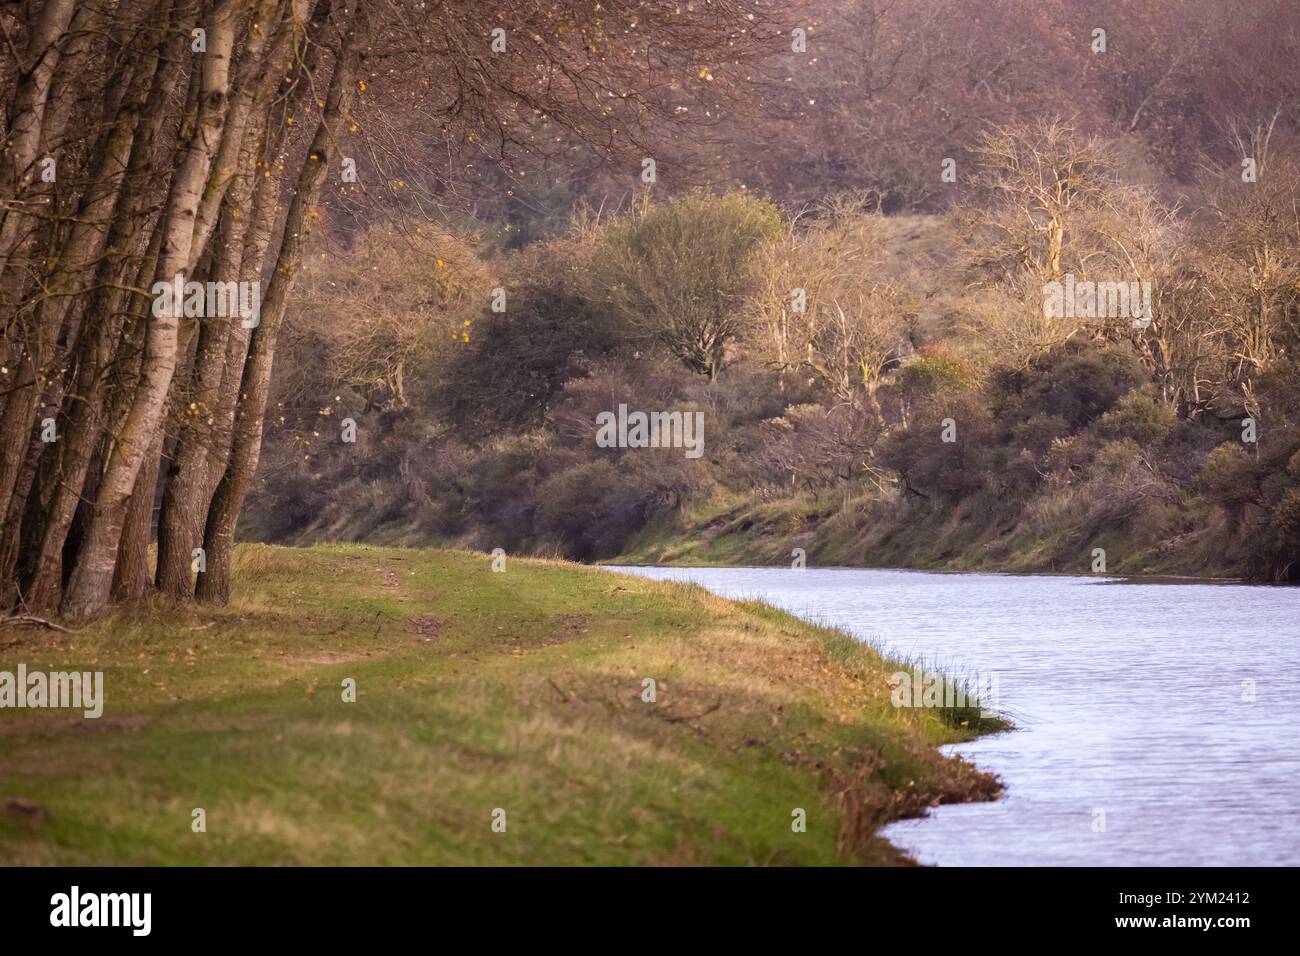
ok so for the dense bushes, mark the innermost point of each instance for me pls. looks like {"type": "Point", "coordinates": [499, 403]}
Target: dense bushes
{"type": "Point", "coordinates": [516, 361]}
{"type": "Point", "coordinates": [873, 401]}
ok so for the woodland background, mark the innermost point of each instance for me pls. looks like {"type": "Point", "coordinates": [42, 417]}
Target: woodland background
{"type": "Point", "coordinates": [522, 170]}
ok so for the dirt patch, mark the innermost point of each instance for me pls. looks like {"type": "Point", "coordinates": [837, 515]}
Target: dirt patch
{"type": "Point", "coordinates": [425, 627]}
{"type": "Point", "coordinates": [392, 579]}
{"type": "Point", "coordinates": [572, 627]}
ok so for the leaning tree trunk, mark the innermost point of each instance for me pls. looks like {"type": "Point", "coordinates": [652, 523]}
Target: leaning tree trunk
{"type": "Point", "coordinates": [204, 436]}
{"type": "Point", "coordinates": [180, 522]}
{"type": "Point", "coordinates": [24, 202]}
{"type": "Point", "coordinates": [18, 160]}
{"type": "Point", "coordinates": [219, 533]}
{"type": "Point", "coordinates": [256, 246]}
{"type": "Point", "coordinates": [78, 450]}
{"type": "Point", "coordinates": [255, 77]}
{"type": "Point", "coordinates": [106, 306]}
{"type": "Point", "coordinates": [92, 577]}
{"type": "Point", "coordinates": [57, 312]}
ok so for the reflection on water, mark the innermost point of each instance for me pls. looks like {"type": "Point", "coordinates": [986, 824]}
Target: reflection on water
{"type": "Point", "coordinates": [1128, 699]}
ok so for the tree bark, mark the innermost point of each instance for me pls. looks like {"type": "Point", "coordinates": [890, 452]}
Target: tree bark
{"type": "Point", "coordinates": [57, 312]}
{"type": "Point", "coordinates": [256, 75]}
{"type": "Point", "coordinates": [89, 587]}
{"type": "Point", "coordinates": [131, 576]}
{"type": "Point", "coordinates": [32, 93]}
{"type": "Point", "coordinates": [204, 436]}
{"type": "Point", "coordinates": [105, 307]}
{"type": "Point", "coordinates": [223, 516]}
{"type": "Point", "coordinates": [180, 522]}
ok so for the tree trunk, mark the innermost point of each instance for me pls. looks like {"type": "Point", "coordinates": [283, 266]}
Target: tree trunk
{"type": "Point", "coordinates": [56, 311]}
{"type": "Point", "coordinates": [30, 97]}
{"type": "Point", "coordinates": [255, 77]}
{"type": "Point", "coordinates": [89, 587]}
{"type": "Point", "coordinates": [106, 305]}
{"type": "Point", "coordinates": [180, 522]}
{"type": "Point", "coordinates": [204, 437]}
{"type": "Point", "coordinates": [219, 533]}
{"type": "Point", "coordinates": [131, 576]}
{"type": "Point", "coordinates": [70, 477]}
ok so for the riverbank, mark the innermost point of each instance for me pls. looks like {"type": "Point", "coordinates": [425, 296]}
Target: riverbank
{"type": "Point", "coordinates": [989, 536]}
{"type": "Point", "coordinates": [521, 691]}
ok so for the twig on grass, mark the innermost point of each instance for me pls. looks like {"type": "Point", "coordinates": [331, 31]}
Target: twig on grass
{"type": "Point", "coordinates": [38, 621]}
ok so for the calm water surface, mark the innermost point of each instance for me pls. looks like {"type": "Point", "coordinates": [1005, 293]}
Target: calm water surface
{"type": "Point", "coordinates": [1128, 699]}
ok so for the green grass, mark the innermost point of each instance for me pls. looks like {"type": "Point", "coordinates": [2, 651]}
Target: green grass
{"type": "Point", "coordinates": [475, 691]}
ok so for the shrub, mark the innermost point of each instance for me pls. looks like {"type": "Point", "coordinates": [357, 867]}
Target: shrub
{"type": "Point", "coordinates": [1079, 381]}
{"type": "Point", "coordinates": [932, 467]}
{"type": "Point", "coordinates": [930, 374]}
{"type": "Point", "coordinates": [1139, 416]}
{"type": "Point", "coordinates": [815, 447]}
{"type": "Point", "coordinates": [593, 509]}
{"type": "Point", "coordinates": [1230, 478]}
{"type": "Point", "coordinates": [674, 275]}
{"type": "Point", "coordinates": [1117, 458]}
{"type": "Point", "coordinates": [1274, 553]}
{"type": "Point", "coordinates": [516, 362]}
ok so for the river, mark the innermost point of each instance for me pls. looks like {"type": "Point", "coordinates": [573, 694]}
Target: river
{"type": "Point", "coordinates": [1156, 723]}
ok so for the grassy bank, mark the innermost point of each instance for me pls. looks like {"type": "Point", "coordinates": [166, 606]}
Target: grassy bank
{"type": "Point", "coordinates": [983, 533]}
{"type": "Point", "coordinates": [475, 691]}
